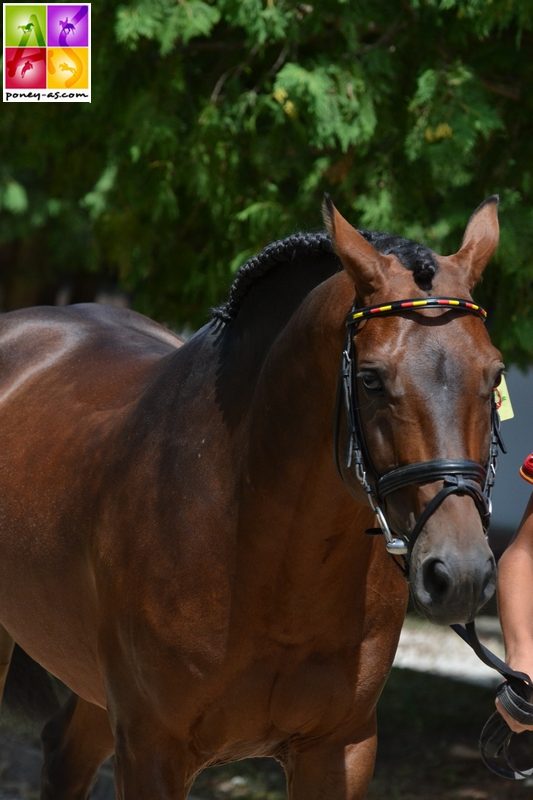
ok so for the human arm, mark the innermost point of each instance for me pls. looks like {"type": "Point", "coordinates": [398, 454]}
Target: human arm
{"type": "Point", "coordinates": [515, 603]}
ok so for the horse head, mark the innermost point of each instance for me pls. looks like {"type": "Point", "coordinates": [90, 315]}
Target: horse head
{"type": "Point", "coordinates": [423, 384]}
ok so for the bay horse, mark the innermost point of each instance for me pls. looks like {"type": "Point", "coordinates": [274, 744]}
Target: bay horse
{"type": "Point", "coordinates": [177, 545]}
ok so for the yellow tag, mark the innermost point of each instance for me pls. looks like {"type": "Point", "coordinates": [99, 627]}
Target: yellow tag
{"type": "Point", "coordinates": [503, 401]}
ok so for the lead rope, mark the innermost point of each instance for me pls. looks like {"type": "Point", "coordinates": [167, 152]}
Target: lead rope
{"type": "Point", "coordinates": [502, 750]}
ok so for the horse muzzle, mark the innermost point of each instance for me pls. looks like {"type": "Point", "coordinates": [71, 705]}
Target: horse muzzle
{"type": "Point", "coordinates": [451, 586]}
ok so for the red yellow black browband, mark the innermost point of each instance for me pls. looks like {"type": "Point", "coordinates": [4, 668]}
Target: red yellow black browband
{"type": "Point", "coordinates": [457, 304]}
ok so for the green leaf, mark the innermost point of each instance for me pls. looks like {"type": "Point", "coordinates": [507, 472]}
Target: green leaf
{"type": "Point", "coordinates": [14, 197]}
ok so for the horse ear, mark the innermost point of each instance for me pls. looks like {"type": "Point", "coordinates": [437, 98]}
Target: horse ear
{"type": "Point", "coordinates": [480, 239]}
{"type": "Point", "coordinates": [365, 265]}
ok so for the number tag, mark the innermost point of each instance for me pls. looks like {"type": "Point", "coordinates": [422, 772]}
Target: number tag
{"type": "Point", "coordinates": [503, 401]}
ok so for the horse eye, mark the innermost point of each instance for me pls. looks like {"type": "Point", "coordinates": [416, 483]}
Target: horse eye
{"type": "Point", "coordinates": [498, 379]}
{"type": "Point", "coordinates": [371, 382]}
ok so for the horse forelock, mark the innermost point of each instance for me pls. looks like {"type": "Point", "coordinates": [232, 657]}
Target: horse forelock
{"type": "Point", "coordinates": [415, 257]}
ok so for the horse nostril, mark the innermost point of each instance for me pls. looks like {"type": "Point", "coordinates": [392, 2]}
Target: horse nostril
{"type": "Point", "coordinates": [437, 579]}
{"type": "Point", "coordinates": [489, 580]}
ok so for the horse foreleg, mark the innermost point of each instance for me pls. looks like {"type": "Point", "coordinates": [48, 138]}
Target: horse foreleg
{"type": "Point", "coordinates": [332, 771]}
{"type": "Point", "coordinates": [6, 651]}
{"type": "Point", "coordinates": [150, 764]}
{"type": "Point", "coordinates": [75, 742]}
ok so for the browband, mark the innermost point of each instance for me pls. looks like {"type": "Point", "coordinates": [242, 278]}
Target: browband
{"type": "Point", "coordinates": [383, 310]}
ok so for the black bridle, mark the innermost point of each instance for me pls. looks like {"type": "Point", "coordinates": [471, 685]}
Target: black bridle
{"type": "Point", "coordinates": [459, 476]}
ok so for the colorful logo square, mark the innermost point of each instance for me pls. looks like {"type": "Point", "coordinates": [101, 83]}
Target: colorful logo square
{"type": "Point", "coordinates": [25, 26]}
{"type": "Point", "coordinates": [47, 52]}
{"type": "Point", "coordinates": [25, 67]}
{"type": "Point", "coordinates": [68, 69]}
{"type": "Point", "coordinates": [68, 26]}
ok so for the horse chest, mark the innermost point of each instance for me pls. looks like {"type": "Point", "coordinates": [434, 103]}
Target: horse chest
{"type": "Point", "coordinates": [265, 706]}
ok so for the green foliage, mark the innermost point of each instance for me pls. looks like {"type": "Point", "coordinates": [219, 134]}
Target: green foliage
{"type": "Point", "coordinates": [260, 21]}
{"type": "Point", "coordinates": [165, 22]}
{"type": "Point", "coordinates": [451, 113]}
{"type": "Point", "coordinates": [332, 104]}
{"type": "Point", "coordinates": [13, 197]}
{"type": "Point", "coordinates": [216, 126]}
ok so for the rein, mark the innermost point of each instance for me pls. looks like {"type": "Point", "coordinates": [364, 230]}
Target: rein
{"type": "Point", "coordinates": [500, 748]}
{"type": "Point", "coordinates": [459, 476]}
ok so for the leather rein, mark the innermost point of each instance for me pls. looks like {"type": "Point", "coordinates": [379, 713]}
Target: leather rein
{"type": "Point", "coordinates": [459, 476]}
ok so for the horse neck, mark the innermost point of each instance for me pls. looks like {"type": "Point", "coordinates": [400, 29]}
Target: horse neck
{"type": "Point", "coordinates": [289, 462]}
{"type": "Point", "coordinates": [302, 552]}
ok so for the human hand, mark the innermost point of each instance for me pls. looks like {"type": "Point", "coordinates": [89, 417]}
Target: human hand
{"type": "Point", "coordinates": [514, 725]}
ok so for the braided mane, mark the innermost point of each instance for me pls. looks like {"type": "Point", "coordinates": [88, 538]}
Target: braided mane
{"type": "Point", "coordinates": [415, 257]}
